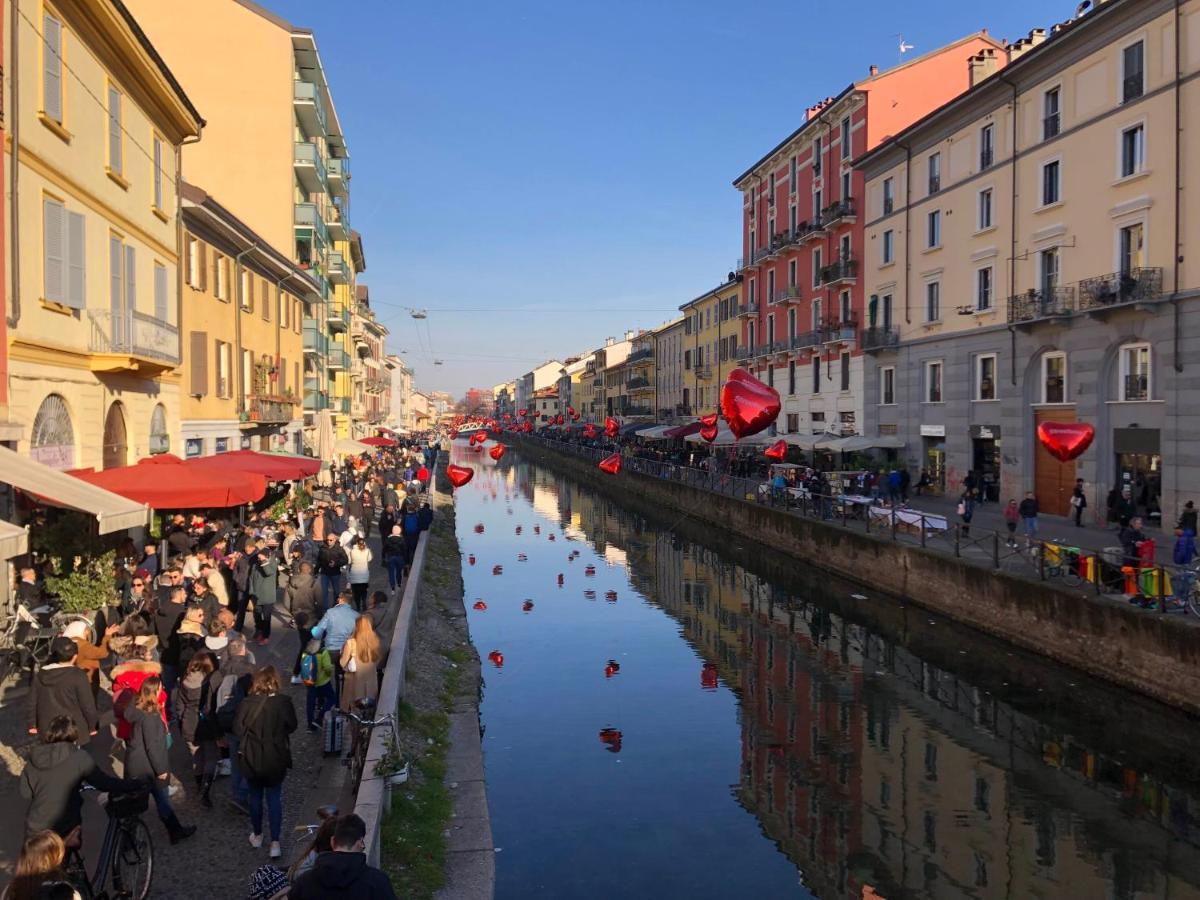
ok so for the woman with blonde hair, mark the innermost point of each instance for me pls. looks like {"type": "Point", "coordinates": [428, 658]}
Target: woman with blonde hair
{"type": "Point", "coordinates": [359, 661]}
{"type": "Point", "coordinates": [39, 864]}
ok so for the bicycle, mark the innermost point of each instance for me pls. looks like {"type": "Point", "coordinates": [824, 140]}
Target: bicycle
{"type": "Point", "coordinates": [363, 726]}
{"type": "Point", "coordinates": [324, 813]}
{"type": "Point", "coordinates": [1058, 561]}
{"type": "Point", "coordinates": [126, 862]}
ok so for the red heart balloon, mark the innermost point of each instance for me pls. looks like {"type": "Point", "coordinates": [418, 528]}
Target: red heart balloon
{"type": "Point", "coordinates": [570, 411]}
{"type": "Point", "coordinates": [497, 451]}
{"type": "Point", "coordinates": [1066, 440]}
{"type": "Point", "coordinates": [453, 434]}
{"type": "Point", "coordinates": [527, 605]}
{"type": "Point", "coordinates": [777, 451]}
{"type": "Point", "coordinates": [480, 606]}
{"type": "Point", "coordinates": [521, 412]}
{"type": "Point", "coordinates": [459, 475]}
{"type": "Point", "coordinates": [574, 417]}
{"type": "Point", "coordinates": [589, 430]}
{"type": "Point", "coordinates": [611, 464]}
{"type": "Point", "coordinates": [709, 432]}
{"type": "Point", "coordinates": [559, 419]}
{"type": "Point", "coordinates": [611, 426]}
{"type": "Point", "coordinates": [528, 427]}
{"type": "Point", "coordinates": [709, 420]}
{"type": "Point", "coordinates": [749, 406]}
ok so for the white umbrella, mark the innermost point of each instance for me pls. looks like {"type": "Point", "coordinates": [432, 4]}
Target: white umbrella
{"type": "Point", "coordinates": [325, 436]}
{"type": "Point", "coordinates": [351, 447]}
{"type": "Point", "coordinates": [726, 438]}
{"type": "Point", "coordinates": [810, 441]}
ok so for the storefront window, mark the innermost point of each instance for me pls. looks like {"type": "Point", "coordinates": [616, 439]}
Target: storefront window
{"type": "Point", "coordinates": [160, 439]}
{"type": "Point", "coordinates": [1054, 378]}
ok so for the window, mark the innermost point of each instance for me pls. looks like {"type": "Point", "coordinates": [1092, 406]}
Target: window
{"type": "Point", "coordinates": [984, 219]}
{"type": "Point", "coordinates": [63, 256]}
{"type": "Point", "coordinates": [1132, 248]}
{"type": "Point", "coordinates": [933, 382]}
{"type": "Point", "coordinates": [1133, 71]}
{"type": "Point", "coordinates": [792, 324]}
{"type": "Point", "coordinates": [770, 289]}
{"type": "Point", "coordinates": [193, 262]}
{"type": "Point", "coordinates": [1048, 265]}
{"type": "Point", "coordinates": [1135, 372]}
{"type": "Point", "coordinates": [771, 376]}
{"type": "Point", "coordinates": [223, 360]}
{"type": "Point", "coordinates": [983, 289]}
{"type": "Point", "coordinates": [162, 308]}
{"type": "Point", "coordinates": [987, 146]}
{"type": "Point", "coordinates": [844, 249]}
{"type": "Point", "coordinates": [845, 367]}
{"type": "Point", "coordinates": [1054, 378]}
{"type": "Point", "coordinates": [115, 161]}
{"type": "Point", "coordinates": [793, 419]}
{"type": "Point", "coordinates": [889, 196]}
{"type": "Point", "coordinates": [816, 152]}
{"type": "Point", "coordinates": [792, 219]}
{"type": "Point", "coordinates": [792, 268]}
{"type": "Point", "coordinates": [935, 172]}
{"type": "Point", "coordinates": [266, 301]}
{"type": "Point", "coordinates": [985, 376]}
{"type": "Point", "coordinates": [885, 318]}
{"type": "Point", "coordinates": [771, 193]}
{"type": "Point", "coordinates": [220, 276]}
{"type": "Point", "coordinates": [1051, 186]}
{"type": "Point", "coordinates": [158, 173]}
{"type": "Point", "coordinates": [122, 271]}
{"type": "Point", "coordinates": [846, 138]}
{"type": "Point", "coordinates": [845, 314]}
{"type": "Point", "coordinates": [933, 231]}
{"type": "Point", "coordinates": [770, 329]}
{"type": "Point", "coordinates": [52, 66]}
{"type": "Point", "coordinates": [816, 267]}
{"type": "Point", "coordinates": [284, 307]}
{"type": "Point", "coordinates": [1051, 113]}
{"type": "Point", "coordinates": [791, 379]}
{"type": "Point", "coordinates": [887, 386]}
{"type": "Point", "coordinates": [1133, 150]}
{"type": "Point", "coordinates": [888, 248]}
{"type": "Point", "coordinates": [816, 375]}
{"type": "Point", "coordinates": [846, 185]}
{"type": "Point", "coordinates": [247, 294]}
{"type": "Point", "coordinates": [792, 179]}
{"type": "Point", "coordinates": [933, 301]}
{"type": "Point", "coordinates": [817, 200]}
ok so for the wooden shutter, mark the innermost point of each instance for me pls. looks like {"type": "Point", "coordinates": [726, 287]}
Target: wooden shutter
{"type": "Point", "coordinates": [160, 293]}
{"type": "Point", "coordinates": [282, 375]}
{"type": "Point", "coordinates": [52, 68]}
{"type": "Point", "coordinates": [266, 301]}
{"type": "Point", "coordinates": [54, 251]}
{"type": "Point", "coordinates": [130, 278]}
{"type": "Point", "coordinates": [114, 130]}
{"type": "Point", "coordinates": [114, 274]}
{"type": "Point", "coordinates": [199, 367]}
{"type": "Point", "coordinates": [217, 263]}
{"type": "Point", "coordinates": [203, 267]}
{"type": "Point", "coordinates": [76, 256]}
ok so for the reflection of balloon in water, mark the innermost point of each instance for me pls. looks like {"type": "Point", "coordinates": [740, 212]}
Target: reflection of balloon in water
{"type": "Point", "coordinates": [537, 529]}
{"type": "Point", "coordinates": [612, 668]}
{"type": "Point", "coordinates": [708, 677]}
{"type": "Point", "coordinates": [496, 658]}
{"type": "Point", "coordinates": [589, 594]}
{"type": "Point", "coordinates": [521, 557]}
{"type": "Point", "coordinates": [471, 559]}
{"type": "Point", "coordinates": [611, 465]}
{"type": "Point", "coordinates": [527, 605]}
{"type": "Point", "coordinates": [479, 528]}
{"type": "Point", "coordinates": [611, 596]}
{"type": "Point", "coordinates": [479, 606]}
{"type": "Point", "coordinates": [497, 570]}
{"type": "Point", "coordinates": [518, 529]}
{"type": "Point", "coordinates": [589, 571]}
{"type": "Point", "coordinates": [552, 537]}
{"type": "Point", "coordinates": [611, 739]}
{"type": "Point", "coordinates": [560, 579]}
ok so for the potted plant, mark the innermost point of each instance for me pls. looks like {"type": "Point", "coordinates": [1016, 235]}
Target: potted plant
{"type": "Point", "coordinates": [392, 767]}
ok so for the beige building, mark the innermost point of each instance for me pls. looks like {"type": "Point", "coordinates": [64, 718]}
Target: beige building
{"type": "Point", "coordinates": [401, 396]}
{"type": "Point", "coordinates": [640, 382]}
{"type": "Point", "coordinates": [94, 307]}
{"type": "Point", "coordinates": [369, 375]}
{"type": "Point", "coordinates": [710, 345]}
{"type": "Point", "coordinates": [669, 342]}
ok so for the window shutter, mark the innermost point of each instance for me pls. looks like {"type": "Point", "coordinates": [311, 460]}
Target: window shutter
{"type": "Point", "coordinates": [282, 374]}
{"type": "Point", "coordinates": [76, 255]}
{"type": "Point", "coordinates": [52, 68]}
{"type": "Point", "coordinates": [114, 270]}
{"type": "Point", "coordinates": [199, 363]}
{"type": "Point", "coordinates": [217, 275]}
{"type": "Point", "coordinates": [189, 253]}
{"type": "Point", "coordinates": [203, 266]}
{"type": "Point", "coordinates": [160, 293]}
{"type": "Point", "coordinates": [266, 301]}
{"type": "Point", "coordinates": [53, 250]}
{"type": "Point", "coordinates": [130, 279]}
{"type": "Point", "coordinates": [114, 129]}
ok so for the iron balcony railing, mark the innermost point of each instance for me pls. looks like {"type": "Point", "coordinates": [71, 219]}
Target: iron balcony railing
{"type": "Point", "coordinates": [639, 355]}
{"type": "Point", "coordinates": [339, 174]}
{"type": "Point", "coordinates": [1133, 286]}
{"type": "Point", "coordinates": [702, 372]}
{"type": "Point", "coordinates": [1044, 304]}
{"type": "Point", "coordinates": [880, 338]}
{"type": "Point", "coordinates": [744, 352]}
{"type": "Point", "coordinates": [338, 271]}
{"type": "Point", "coordinates": [783, 295]}
{"type": "Point", "coordinates": [269, 409]}
{"type": "Point", "coordinates": [839, 210]}
{"type": "Point", "coordinates": [749, 308]}
{"type": "Point", "coordinates": [805, 339]}
{"type": "Point", "coordinates": [337, 359]}
{"type": "Point", "coordinates": [841, 270]}
{"type": "Point", "coordinates": [314, 340]}
{"type": "Point", "coordinates": [634, 384]}
{"type": "Point", "coordinates": [806, 231]}
{"type": "Point", "coordinates": [133, 333]}
{"type": "Point", "coordinates": [638, 411]}
{"type": "Point", "coordinates": [839, 330]}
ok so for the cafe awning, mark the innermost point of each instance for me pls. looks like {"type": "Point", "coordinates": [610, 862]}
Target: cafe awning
{"type": "Point", "coordinates": [165, 482]}
{"type": "Point", "coordinates": [351, 447]}
{"type": "Point", "coordinates": [725, 438]}
{"type": "Point", "coordinates": [377, 441]}
{"type": "Point", "coordinates": [14, 541]}
{"type": "Point", "coordinates": [820, 441]}
{"type": "Point", "coordinates": [682, 431]}
{"type": "Point", "coordinates": [857, 442]}
{"type": "Point", "coordinates": [271, 466]}
{"type": "Point", "coordinates": [655, 433]}
{"type": "Point", "coordinates": [112, 512]}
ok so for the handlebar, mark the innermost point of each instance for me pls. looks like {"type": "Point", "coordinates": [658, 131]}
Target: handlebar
{"type": "Point", "coordinates": [387, 719]}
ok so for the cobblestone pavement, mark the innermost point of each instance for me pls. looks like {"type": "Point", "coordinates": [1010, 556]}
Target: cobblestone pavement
{"type": "Point", "coordinates": [218, 860]}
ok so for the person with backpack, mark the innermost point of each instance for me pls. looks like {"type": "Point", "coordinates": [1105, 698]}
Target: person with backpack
{"type": "Point", "coordinates": [146, 754]}
{"type": "Point", "coordinates": [195, 709]}
{"type": "Point", "coordinates": [316, 673]}
{"type": "Point", "coordinates": [136, 655]}
{"type": "Point", "coordinates": [235, 684]}
{"type": "Point", "coordinates": [263, 724]}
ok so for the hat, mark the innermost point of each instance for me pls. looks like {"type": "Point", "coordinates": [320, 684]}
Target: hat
{"type": "Point", "coordinates": [266, 882]}
{"type": "Point", "coordinates": [77, 628]}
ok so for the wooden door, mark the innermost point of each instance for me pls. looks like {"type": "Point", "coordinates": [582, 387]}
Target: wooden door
{"type": "Point", "coordinates": [1053, 481]}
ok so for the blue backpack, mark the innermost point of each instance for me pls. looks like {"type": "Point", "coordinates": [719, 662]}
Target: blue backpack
{"type": "Point", "coordinates": [308, 669]}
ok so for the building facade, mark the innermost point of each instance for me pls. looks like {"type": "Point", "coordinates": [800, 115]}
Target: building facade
{"type": "Point", "coordinates": [369, 378]}
{"type": "Point", "coordinates": [802, 228]}
{"type": "Point", "coordinates": [94, 315]}
{"type": "Point", "coordinates": [244, 304]}
{"type": "Point", "coordinates": [1040, 268]}
{"type": "Point", "coordinates": [401, 393]}
{"type": "Point", "coordinates": [640, 382]}
{"type": "Point", "coordinates": [711, 337]}
{"type": "Point", "coordinates": [668, 371]}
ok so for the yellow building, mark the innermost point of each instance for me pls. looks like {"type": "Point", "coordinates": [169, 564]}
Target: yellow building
{"type": "Point", "coordinates": [244, 305]}
{"type": "Point", "coordinates": [1029, 254]}
{"type": "Point", "coordinates": [277, 157]}
{"type": "Point", "coordinates": [92, 161]}
{"type": "Point", "coordinates": [710, 342]}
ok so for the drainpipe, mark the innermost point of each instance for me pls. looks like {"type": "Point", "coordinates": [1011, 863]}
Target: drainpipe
{"type": "Point", "coordinates": [1178, 195]}
{"type": "Point", "coordinates": [1012, 250]}
{"type": "Point", "coordinates": [237, 326]}
{"type": "Point", "coordinates": [14, 233]}
{"type": "Point", "coordinates": [907, 229]}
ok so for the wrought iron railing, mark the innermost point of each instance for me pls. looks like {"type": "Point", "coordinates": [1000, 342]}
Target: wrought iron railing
{"type": "Point", "coordinates": [1133, 286]}
{"type": "Point", "coordinates": [638, 355]}
{"type": "Point", "coordinates": [839, 271]}
{"type": "Point", "coordinates": [805, 339]}
{"type": "Point", "coordinates": [1044, 304]}
{"type": "Point", "coordinates": [272, 409]}
{"type": "Point", "coordinates": [133, 333]}
{"type": "Point", "coordinates": [841, 209]}
{"type": "Point", "coordinates": [878, 338]}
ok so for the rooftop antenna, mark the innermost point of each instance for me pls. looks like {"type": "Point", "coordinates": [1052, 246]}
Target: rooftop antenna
{"type": "Point", "coordinates": [904, 47]}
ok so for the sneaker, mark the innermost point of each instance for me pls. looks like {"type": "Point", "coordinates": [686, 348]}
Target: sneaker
{"type": "Point", "coordinates": [296, 679]}
{"type": "Point", "coordinates": [262, 641]}
{"type": "Point", "coordinates": [275, 852]}
{"type": "Point", "coordinates": [256, 841]}
{"type": "Point", "coordinates": [240, 806]}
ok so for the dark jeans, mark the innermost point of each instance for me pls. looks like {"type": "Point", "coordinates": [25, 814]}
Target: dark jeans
{"type": "Point", "coordinates": [359, 589]}
{"type": "Point", "coordinates": [274, 797]}
{"type": "Point", "coordinates": [331, 586]}
{"type": "Point", "coordinates": [237, 604]}
{"type": "Point", "coordinates": [170, 674]}
{"type": "Point", "coordinates": [1078, 516]}
{"type": "Point", "coordinates": [162, 800]}
{"type": "Point", "coordinates": [395, 568]}
{"type": "Point", "coordinates": [325, 696]}
{"type": "Point", "coordinates": [262, 619]}
{"type": "Point", "coordinates": [237, 784]}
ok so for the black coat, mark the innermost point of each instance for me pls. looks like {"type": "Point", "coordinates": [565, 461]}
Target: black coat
{"type": "Point", "coordinates": [342, 876]}
{"type": "Point", "coordinates": [331, 560]}
{"type": "Point", "coordinates": [395, 545]}
{"type": "Point", "coordinates": [166, 619]}
{"type": "Point", "coordinates": [51, 781]}
{"type": "Point", "coordinates": [262, 725]}
{"type": "Point", "coordinates": [63, 690]}
{"type": "Point", "coordinates": [303, 594]}
{"type": "Point", "coordinates": [193, 706]}
{"type": "Point", "coordinates": [146, 749]}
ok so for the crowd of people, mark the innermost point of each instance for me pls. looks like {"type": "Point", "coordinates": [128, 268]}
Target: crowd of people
{"type": "Point", "coordinates": [171, 657]}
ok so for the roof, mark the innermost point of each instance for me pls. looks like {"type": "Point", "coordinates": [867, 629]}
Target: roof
{"type": "Point", "coordinates": [163, 69]}
{"type": "Point", "coordinates": [718, 289]}
{"type": "Point", "coordinates": [14, 541]}
{"type": "Point", "coordinates": [112, 512]}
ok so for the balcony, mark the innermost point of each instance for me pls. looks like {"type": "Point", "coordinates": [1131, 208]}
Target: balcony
{"type": "Point", "coordinates": [310, 169]}
{"type": "Point", "coordinates": [637, 411]}
{"type": "Point", "coordinates": [1034, 305]}
{"type": "Point", "coordinates": [309, 217]}
{"type": "Point", "coordinates": [342, 405]}
{"type": "Point", "coordinates": [749, 308]}
{"type": "Point", "coordinates": [338, 319]}
{"type": "Point", "coordinates": [646, 353]}
{"type": "Point", "coordinates": [704, 373]}
{"type": "Point", "coordinates": [804, 340]}
{"type": "Point", "coordinates": [337, 360]}
{"type": "Point", "coordinates": [787, 294]}
{"type": "Point", "coordinates": [338, 271]}
{"type": "Point", "coordinates": [336, 220]}
{"type": "Point", "coordinates": [744, 353]}
{"type": "Point", "coordinates": [315, 342]}
{"type": "Point", "coordinates": [309, 107]}
{"type": "Point", "coordinates": [362, 348]}
{"type": "Point", "coordinates": [1137, 286]}
{"type": "Point", "coordinates": [315, 401]}
{"type": "Point", "coordinates": [638, 385]}
{"type": "Point", "coordinates": [810, 231]}
{"type": "Point", "coordinates": [842, 270]}
{"type": "Point", "coordinates": [756, 257]}
{"type": "Point", "coordinates": [131, 341]}
{"type": "Point", "coordinates": [840, 213]}
{"type": "Point", "coordinates": [877, 338]}
{"type": "Point", "coordinates": [339, 176]}
{"type": "Point", "coordinates": [780, 242]}
{"type": "Point", "coordinates": [842, 331]}
{"type": "Point", "coordinates": [269, 409]}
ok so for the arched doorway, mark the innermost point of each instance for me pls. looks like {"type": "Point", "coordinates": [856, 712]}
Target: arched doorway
{"type": "Point", "coordinates": [160, 439]}
{"type": "Point", "coordinates": [116, 446]}
{"type": "Point", "coordinates": [52, 441]}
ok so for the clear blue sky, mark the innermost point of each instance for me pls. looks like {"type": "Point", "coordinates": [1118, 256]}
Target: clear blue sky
{"type": "Point", "coordinates": [539, 174]}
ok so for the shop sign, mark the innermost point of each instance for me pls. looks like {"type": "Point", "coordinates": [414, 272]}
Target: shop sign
{"type": "Point", "coordinates": [933, 431]}
{"type": "Point", "coordinates": [985, 432]}
{"type": "Point", "coordinates": [193, 447]}
{"type": "Point", "coordinates": [222, 445]}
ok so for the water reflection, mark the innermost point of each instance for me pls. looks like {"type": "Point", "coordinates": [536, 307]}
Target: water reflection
{"type": "Point", "coordinates": [881, 752]}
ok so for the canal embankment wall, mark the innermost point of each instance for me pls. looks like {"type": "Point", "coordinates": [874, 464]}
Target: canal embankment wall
{"type": "Point", "coordinates": [1154, 654]}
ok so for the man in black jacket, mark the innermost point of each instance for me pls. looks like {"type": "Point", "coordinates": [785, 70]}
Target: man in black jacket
{"type": "Point", "coordinates": [344, 874]}
{"type": "Point", "coordinates": [61, 689]}
{"type": "Point", "coordinates": [331, 559]}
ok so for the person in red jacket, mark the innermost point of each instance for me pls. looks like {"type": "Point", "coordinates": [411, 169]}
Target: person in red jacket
{"type": "Point", "coordinates": [136, 665]}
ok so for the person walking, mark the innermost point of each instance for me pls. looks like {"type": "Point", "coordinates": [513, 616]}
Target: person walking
{"type": "Point", "coordinates": [263, 724]}
{"type": "Point", "coordinates": [1011, 517]}
{"type": "Point", "coordinates": [331, 559]}
{"type": "Point", "coordinates": [1187, 518]}
{"type": "Point", "coordinates": [1130, 537]}
{"type": "Point", "coordinates": [395, 556]}
{"type": "Point", "coordinates": [264, 587]}
{"type": "Point", "coordinates": [146, 754]}
{"type": "Point", "coordinates": [316, 673]}
{"type": "Point", "coordinates": [194, 708]}
{"type": "Point", "coordinates": [336, 627]}
{"type": "Point", "coordinates": [344, 873]}
{"type": "Point", "coordinates": [60, 688]}
{"type": "Point", "coordinates": [966, 510]}
{"type": "Point", "coordinates": [359, 660]}
{"type": "Point", "coordinates": [1183, 555]}
{"type": "Point", "coordinates": [236, 675]}
{"type": "Point", "coordinates": [89, 656]}
{"type": "Point", "coordinates": [302, 596]}
{"type": "Point", "coordinates": [1028, 511]}
{"type": "Point", "coordinates": [1078, 502]}
{"type": "Point", "coordinates": [360, 571]}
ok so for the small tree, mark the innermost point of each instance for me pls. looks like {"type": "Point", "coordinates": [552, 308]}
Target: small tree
{"type": "Point", "coordinates": [88, 586]}
{"type": "Point", "coordinates": [81, 560]}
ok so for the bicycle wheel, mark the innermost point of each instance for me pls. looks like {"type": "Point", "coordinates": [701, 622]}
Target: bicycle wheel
{"type": "Point", "coordinates": [1193, 598]}
{"type": "Point", "coordinates": [133, 861]}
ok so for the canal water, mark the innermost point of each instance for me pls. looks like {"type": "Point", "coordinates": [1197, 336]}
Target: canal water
{"type": "Point", "coordinates": [670, 712]}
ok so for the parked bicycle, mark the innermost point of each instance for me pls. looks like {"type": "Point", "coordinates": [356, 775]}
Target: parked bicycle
{"type": "Point", "coordinates": [25, 639]}
{"type": "Point", "coordinates": [329, 811]}
{"type": "Point", "coordinates": [1059, 560]}
{"type": "Point", "coordinates": [125, 868]}
{"type": "Point", "coordinates": [363, 725]}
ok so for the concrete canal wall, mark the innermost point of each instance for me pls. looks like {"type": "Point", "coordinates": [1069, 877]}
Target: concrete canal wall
{"type": "Point", "coordinates": [1154, 654]}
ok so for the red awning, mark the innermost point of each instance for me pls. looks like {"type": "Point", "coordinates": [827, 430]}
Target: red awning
{"type": "Point", "coordinates": [165, 482]}
{"type": "Point", "coordinates": [377, 442]}
{"type": "Point", "coordinates": [272, 467]}
{"type": "Point", "coordinates": [683, 430]}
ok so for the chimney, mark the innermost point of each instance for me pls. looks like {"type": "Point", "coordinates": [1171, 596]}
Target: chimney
{"type": "Point", "coordinates": [629, 335]}
{"type": "Point", "coordinates": [609, 341]}
{"type": "Point", "coordinates": [1027, 43]}
{"type": "Point", "coordinates": [982, 65]}
{"type": "Point", "coordinates": [874, 71]}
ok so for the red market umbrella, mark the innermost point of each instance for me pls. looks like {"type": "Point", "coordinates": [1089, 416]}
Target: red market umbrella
{"type": "Point", "coordinates": [683, 430]}
{"type": "Point", "coordinates": [272, 467]}
{"type": "Point", "coordinates": [162, 482]}
{"type": "Point", "coordinates": [377, 441]}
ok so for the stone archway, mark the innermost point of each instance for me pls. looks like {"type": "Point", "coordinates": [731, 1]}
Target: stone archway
{"type": "Point", "coordinates": [52, 441]}
{"type": "Point", "coordinates": [116, 438]}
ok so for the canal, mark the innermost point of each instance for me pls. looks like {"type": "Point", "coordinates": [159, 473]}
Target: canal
{"type": "Point", "coordinates": [671, 713]}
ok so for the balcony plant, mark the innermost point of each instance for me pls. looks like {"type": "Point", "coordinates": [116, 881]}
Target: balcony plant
{"type": "Point", "coordinates": [392, 767]}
